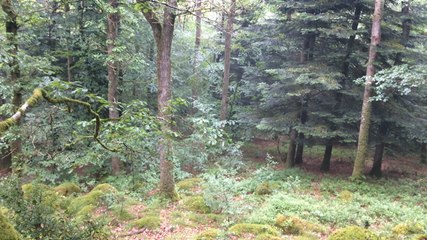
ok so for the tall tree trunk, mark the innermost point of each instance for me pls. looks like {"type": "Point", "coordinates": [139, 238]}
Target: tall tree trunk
{"type": "Point", "coordinates": [227, 60]}
{"type": "Point", "coordinates": [196, 71]}
{"type": "Point", "coordinates": [378, 159]}
{"type": "Point", "coordinates": [290, 159]}
{"type": "Point", "coordinates": [301, 138]}
{"type": "Point", "coordinates": [14, 74]}
{"type": "Point", "coordinates": [326, 163]}
{"type": "Point", "coordinates": [406, 30]}
{"type": "Point", "coordinates": [163, 35]}
{"type": "Point", "coordinates": [69, 55]}
{"type": "Point", "coordinates": [362, 146]}
{"type": "Point", "coordinates": [113, 21]}
{"type": "Point", "coordinates": [423, 153]}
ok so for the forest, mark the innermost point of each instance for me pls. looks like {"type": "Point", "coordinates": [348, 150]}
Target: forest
{"type": "Point", "coordinates": [213, 119]}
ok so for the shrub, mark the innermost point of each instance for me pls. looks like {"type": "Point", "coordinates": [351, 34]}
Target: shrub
{"type": "Point", "coordinates": [149, 222]}
{"type": "Point", "coordinates": [353, 233]}
{"type": "Point", "coordinates": [7, 231]}
{"type": "Point", "coordinates": [256, 229]}
{"type": "Point", "coordinates": [209, 234]}
{"type": "Point", "coordinates": [197, 204]}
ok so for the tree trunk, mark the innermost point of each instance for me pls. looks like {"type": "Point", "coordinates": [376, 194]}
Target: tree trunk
{"type": "Point", "coordinates": [163, 35]}
{"type": "Point", "coordinates": [326, 163]}
{"type": "Point", "coordinates": [14, 74]}
{"type": "Point", "coordinates": [362, 146]}
{"type": "Point", "coordinates": [423, 153]}
{"type": "Point", "coordinates": [196, 70]}
{"type": "Point", "coordinates": [290, 159]}
{"type": "Point", "coordinates": [378, 159]}
{"type": "Point", "coordinates": [301, 138]}
{"type": "Point", "coordinates": [227, 59]}
{"type": "Point", "coordinates": [113, 21]}
{"type": "Point", "coordinates": [406, 30]}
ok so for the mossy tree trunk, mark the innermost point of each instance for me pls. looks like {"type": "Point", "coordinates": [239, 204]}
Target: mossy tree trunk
{"type": "Point", "coordinates": [326, 163]}
{"type": "Point", "coordinates": [14, 74]}
{"type": "Point", "coordinates": [113, 21]}
{"type": "Point", "coordinates": [227, 61]}
{"type": "Point", "coordinates": [362, 145]}
{"type": "Point", "coordinates": [163, 34]}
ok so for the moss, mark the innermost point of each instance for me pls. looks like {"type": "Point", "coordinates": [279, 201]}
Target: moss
{"type": "Point", "coordinates": [36, 190]}
{"type": "Point", "coordinates": [67, 188]}
{"type": "Point", "coordinates": [266, 188]}
{"type": "Point", "coordinates": [353, 233]}
{"type": "Point", "coordinates": [197, 204]}
{"type": "Point", "coordinates": [7, 231]}
{"type": "Point", "coordinates": [346, 196]}
{"type": "Point", "coordinates": [256, 229]}
{"type": "Point", "coordinates": [92, 198]}
{"type": "Point", "coordinates": [149, 222]}
{"type": "Point", "coordinates": [209, 234]}
{"type": "Point", "coordinates": [420, 237]}
{"type": "Point", "coordinates": [266, 236]}
{"type": "Point", "coordinates": [408, 229]}
{"type": "Point", "coordinates": [188, 184]}
{"type": "Point", "coordinates": [122, 214]}
{"type": "Point", "coordinates": [289, 225]}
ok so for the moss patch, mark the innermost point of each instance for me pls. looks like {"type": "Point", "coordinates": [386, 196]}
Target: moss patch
{"type": "Point", "coordinates": [67, 188]}
{"type": "Point", "coordinates": [408, 229]}
{"type": "Point", "coordinates": [256, 229]}
{"type": "Point", "coordinates": [266, 188]}
{"type": "Point", "coordinates": [197, 204]}
{"type": "Point", "coordinates": [7, 231]}
{"type": "Point", "coordinates": [346, 196]}
{"type": "Point", "coordinates": [353, 233]}
{"type": "Point", "coordinates": [188, 184]}
{"type": "Point", "coordinates": [295, 226]}
{"type": "Point", "coordinates": [266, 236]}
{"type": "Point", "coordinates": [209, 234]}
{"type": "Point", "coordinates": [36, 190]}
{"type": "Point", "coordinates": [92, 198]}
{"type": "Point", "coordinates": [420, 237]}
{"type": "Point", "coordinates": [122, 214]}
{"type": "Point", "coordinates": [149, 222]}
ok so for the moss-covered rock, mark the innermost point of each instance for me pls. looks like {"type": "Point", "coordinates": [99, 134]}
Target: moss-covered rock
{"type": "Point", "coordinates": [196, 204]}
{"type": "Point", "coordinates": [67, 188]}
{"type": "Point", "coordinates": [37, 191]}
{"type": "Point", "coordinates": [408, 229]}
{"type": "Point", "coordinates": [266, 188]}
{"type": "Point", "coordinates": [149, 222]}
{"type": "Point", "coordinates": [289, 225]}
{"type": "Point", "coordinates": [122, 214]}
{"type": "Point", "coordinates": [345, 196]}
{"type": "Point", "coordinates": [266, 236]}
{"type": "Point", "coordinates": [92, 198]}
{"type": "Point", "coordinates": [7, 231]}
{"type": "Point", "coordinates": [188, 184]}
{"type": "Point", "coordinates": [256, 229]}
{"type": "Point", "coordinates": [353, 233]}
{"type": "Point", "coordinates": [209, 234]}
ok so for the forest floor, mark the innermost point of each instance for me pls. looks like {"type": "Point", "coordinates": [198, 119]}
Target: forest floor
{"type": "Point", "coordinates": [397, 201]}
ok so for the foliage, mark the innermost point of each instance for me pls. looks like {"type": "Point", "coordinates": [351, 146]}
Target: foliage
{"type": "Point", "coordinates": [7, 230]}
{"type": "Point", "coordinates": [353, 232]}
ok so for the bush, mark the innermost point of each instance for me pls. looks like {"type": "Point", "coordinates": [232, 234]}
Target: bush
{"type": "Point", "coordinates": [7, 231]}
{"type": "Point", "coordinates": [256, 229]}
{"type": "Point", "coordinates": [353, 233]}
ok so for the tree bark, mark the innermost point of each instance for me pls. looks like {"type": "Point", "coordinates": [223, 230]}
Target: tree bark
{"type": "Point", "coordinates": [14, 74]}
{"type": "Point", "coordinates": [406, 29]}
{"type": "Point", "coordinates": [196, 70]}
{"type": "Point", "coordinates": [326, 163]}
{"type": "Point", "coordinates": [362, 146]}
{"type": "Point", "coordinates": [113, 21]}
{"type": "Point", "coordinates": [423, 154]}
{"type": "Point", "coordinates": [301, 138]}
{"type": "Point", "coordinates": [227, 60]}
{"type": "Point", "coordinates": [290, 159]}
{"type": "Point", "coordinates": [163, 35]}
{"type": "Point", "coordinates": [378, 159]}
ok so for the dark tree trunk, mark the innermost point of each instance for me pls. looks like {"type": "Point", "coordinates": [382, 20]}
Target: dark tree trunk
{"type": "Point", "coordinates": [326, 163]}
{"type": "Point", "coordinates": [163, 35]}
{"type": "Point", "coordinates": [290, 159]}
{"type": "Point", "coordinates": [350, 43]}
{"type": "Point", "coordinates": [362, 145]}
{"type": "Point", "coordinates": [378, 159]}
{"type": "Point", "coordinates": [406, 30]}
{"type": "Point", "coordinates": [423, 154]}
{"type": "Point", "coordinates": [227, 60]}
{"type": "Point", "coordinates": [301, 138]}
{"type": "Point", "coordinates": [113, 21]}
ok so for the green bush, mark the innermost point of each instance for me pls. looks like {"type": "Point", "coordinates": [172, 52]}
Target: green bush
{"type": "Point", "coordinates": [353, 233]}
{"type": "Point", "coordinates": [7, 231]}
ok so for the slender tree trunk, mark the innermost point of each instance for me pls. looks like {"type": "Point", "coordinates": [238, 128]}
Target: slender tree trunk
{"type": "Point", "coordinates": [14, 74]}
{"type": "Point", "coordinates": [301, 138]}
{"type": "Point", "coordinates": [290, 159]}
{"type": "Point", "coordinates": [113, 21]}
{"type": "Point", "coordinates": [69, 55]}
{"type": "Point", "coordinates": [326, 163]}
{"type": "Point", "coordinates": [406, 30]}
{"type": "Point", "coordinates": [163, 35]}
{"type": "Point", "coordinates": [196, 70]}
{"type": "Point", "coordinates": [423, 153]}
{"type": "Point", "coordinates": [378, 159]}
{"type": "Point", "coordinates": [227, 60]}
{"type": "Point", "coordinates": [362, 146]}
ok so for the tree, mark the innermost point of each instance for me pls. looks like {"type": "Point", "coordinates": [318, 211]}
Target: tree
{"type": "Point", "coordinates": [227, 60]}
{"type": "Point", "coordinates": [113, 21]}
{"type": "Point", "coordinates": [362, 146]}
{"type": "Point", "coordinates": [163, 34]}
